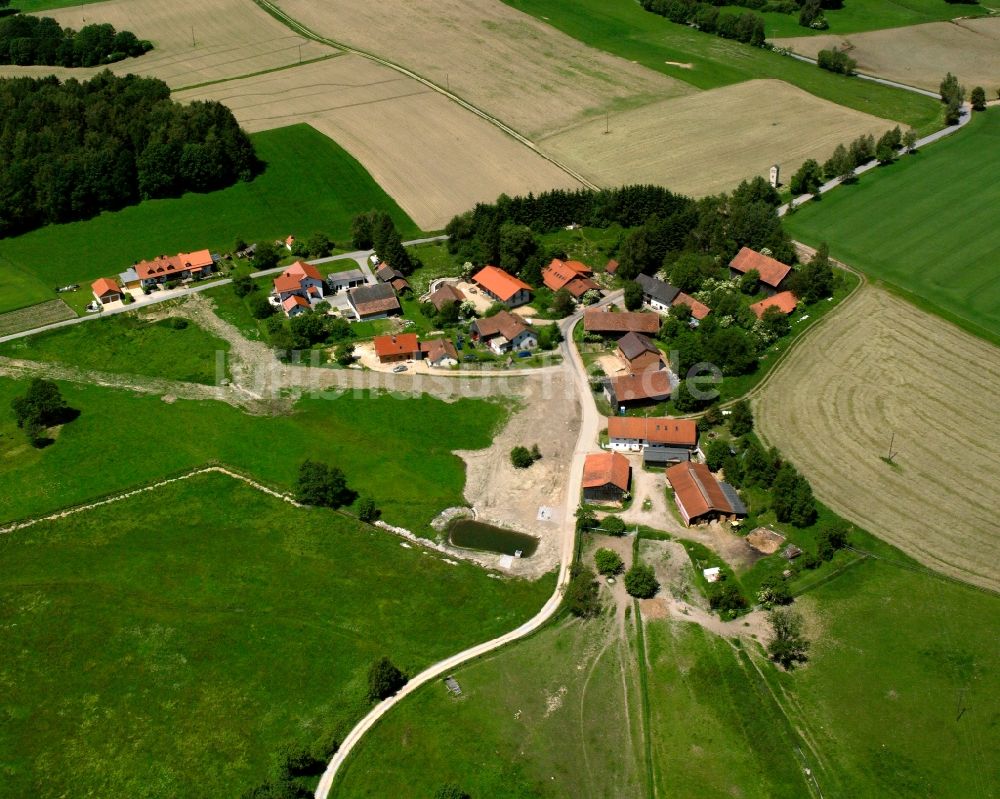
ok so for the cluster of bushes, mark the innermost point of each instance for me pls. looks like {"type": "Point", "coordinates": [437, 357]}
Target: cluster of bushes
{"type": "Point", "coordinates": [845, 159]}
{"type": "Point", "coordinates": [641, 582]}
{"type": "Point", "coordinates": [27, 40]}
{"type": "Point", "coordinates": [746, 27]}
{"type": "Point", "coordinates": [75, 149]}
{"type": "Point", "coordinates": [835, 60]}
{"type": "Point", "coordinates": [322, 485]}
{"type": "Point", "coordinates": [522, 457]}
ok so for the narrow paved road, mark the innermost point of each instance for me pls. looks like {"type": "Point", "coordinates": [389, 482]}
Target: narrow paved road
{"type": "Point", "coordinates": [590, 422]}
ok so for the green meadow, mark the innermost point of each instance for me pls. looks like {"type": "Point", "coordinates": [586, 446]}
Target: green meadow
{"type": "Point", "coordinates": [397, 450]}
{"type": "Point", "coordinates": [130, 344]}
{"type": "Point", "coordinates": [309, 184]}
{"type": "Point", "coordinates": [900, 697]}
{"type": "Point", "coordinates": [622, 27]}
{"type": "Point", "coordinates": [857, 16]}
{"type": "Point", "coordinates": [925, 225]}
{"type": "Point", "coordinates": [174, 643]}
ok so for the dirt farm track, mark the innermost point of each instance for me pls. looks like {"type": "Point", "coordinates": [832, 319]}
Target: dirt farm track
{"type": "Point", "coordinates": [880, 366]}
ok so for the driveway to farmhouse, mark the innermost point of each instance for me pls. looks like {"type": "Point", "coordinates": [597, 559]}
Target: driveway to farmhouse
{"type": "Point", "coordinates": [590, 424]}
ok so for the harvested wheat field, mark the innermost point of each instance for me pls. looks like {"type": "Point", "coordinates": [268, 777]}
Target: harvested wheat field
{"type": "Point", "coordinates": [700, 145]}
{"type": "Point", "coordinates": [920, 55]}
{"type": "Point", "coordinates": [881, 366]}
{"type": "Point", "coordinates": [195, 41]}
{"type": "Point", "coordinates": [530, 75]}
{"type": "Point", "coordinates": [433, 157]}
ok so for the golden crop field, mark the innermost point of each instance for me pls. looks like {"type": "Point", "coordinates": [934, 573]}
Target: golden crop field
{"type": "Point", "coordinates": [710, 141]}
{"type": "Point", "coordinates": [879, 367]}
{"type": "Point", "coordinates": [920, 55]}
{"type": "Point", "coordinates": [533, 77]}
{"type": "Point", "coordinates": [435, 158]}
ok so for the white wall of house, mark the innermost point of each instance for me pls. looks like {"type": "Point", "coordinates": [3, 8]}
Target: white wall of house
{"type": "Point", "coordinates": [656, 305]}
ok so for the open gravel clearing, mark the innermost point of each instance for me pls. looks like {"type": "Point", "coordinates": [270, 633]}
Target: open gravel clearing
{"type": "Point", "coordinates": [530, 75]}
{"type": "Point", "coordinates": [435, 158]}
{"type": "Point", "coordinates": [920, 55]}
{"type": "Point", "coordinates": [696, 145]}
{"type": "Point", "coordinates": [883, 367]}
{"type": "Point", "coordinates": [194, 41]}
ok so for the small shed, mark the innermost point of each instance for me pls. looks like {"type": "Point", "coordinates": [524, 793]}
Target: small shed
{"type": "Point", "coordinates": [712, 574]}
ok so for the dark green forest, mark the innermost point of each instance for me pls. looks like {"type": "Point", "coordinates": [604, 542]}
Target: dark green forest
{"type": "Point", "coordinates": [27, 40]}
{"type": "Point", "coordinates": [69, 150]}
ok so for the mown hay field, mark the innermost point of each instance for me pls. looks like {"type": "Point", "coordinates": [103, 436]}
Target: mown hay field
{"type": "Point", "coordinates": [433, 157]}
{"type": "Point", "coordinates": [527, 73]}
{"type": "Point", "coordinates": [194, 41]}
{"type": "Point", "coordinates": [708, 142]}
{"type": "Point", "coordinates": [44, 313]}
{"type": "Point", "coordinates": [881, 368]}
{"type": "Point", "coordinates": [920, 55]}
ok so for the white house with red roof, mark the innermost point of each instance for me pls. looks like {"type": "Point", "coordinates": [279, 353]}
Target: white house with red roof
{"type": "Point", "coordinates": [164, 268]}
{"type": "Point", "coordinates": [300, 280]}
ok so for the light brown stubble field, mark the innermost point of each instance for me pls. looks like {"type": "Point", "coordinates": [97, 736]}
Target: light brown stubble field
{"type": "Point", "coordinates": [526, 73]}
{"type": "Point", "coordinates": [920, 55]}
{"type": "Point", "coordinates": [881, 366]}
{"type": "Point", "coordinates": [709, 142]}
{"type": "Point", "coordinates": [435, 158]}
{"type": "Point", "coordinates": [230, 38]}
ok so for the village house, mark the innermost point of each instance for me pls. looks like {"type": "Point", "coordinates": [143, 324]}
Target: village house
{"type": "Point", "coordinates": [644, 388]}
{"type": "Point", "coordinates": [397, 347]}
{"type": "Point", "coordinates": [502, 287]}
{"type": "Point", "coordinates": [445, 293]}
{"type": "Point", "coordinates": [164, 268]}
{"type": "Point", "coordinates": [573, 276]}
{"type": "Point", "coordinates": [639, 353]}
{"type": "Point", "coordinates": [772, 272]}
{"type": "Point", "coordinates": [611, 267]}
{"type": "Point", "coordinates": [504, 332]}
{"type": "Point", "coordinates": [784, 301]}
{"type": "Point", "coordinates": [289, 242]}
{"type": "Point", "coordinates": [657, 294]}
{"type": "Point", "coordinates": [615, 324]}
{"type": "Point", "coordinates": [439, 352]}
{"type": "Point", "coordinates": [606, 477]}
{"type": "Point", "coordinates": [698, 309]}
{"type": "Point", "coordinates": [337, 282]}
{"type": "Point", "coordinates": [395, 278]}
{"type": "Point", "coordinates": [635, 433]}
{"type": "Point", "coordinates": [106, 290]}
{"type": "Point", "coordinates": [298, 287]}
{"type": "Point", "coordinates": [700, 497]}
{"type": "Point", "coordinates": [373, 301]}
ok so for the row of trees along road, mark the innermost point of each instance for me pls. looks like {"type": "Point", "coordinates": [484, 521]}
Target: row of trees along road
{"type": "Point", "coordinates": [75, 149]}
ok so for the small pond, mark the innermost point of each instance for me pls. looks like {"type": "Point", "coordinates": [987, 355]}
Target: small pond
{"type": "Point", "coordinates": [470, 534]}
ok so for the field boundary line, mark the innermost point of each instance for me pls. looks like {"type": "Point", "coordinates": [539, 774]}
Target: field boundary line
{"type": "Point", "coordinates": [110, 499]}
{"type": "Point", "coordinates": [647, 740]}
{"type": "Point", "coordinates": [308, 33]}
{"type": "Point", "coordinates": [282, 68]}
{"type": "Point", "coordinates": [916, 567]}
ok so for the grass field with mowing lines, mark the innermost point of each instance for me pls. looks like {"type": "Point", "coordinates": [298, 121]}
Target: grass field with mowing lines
{"type": "Point", "coordinates": [310, 184]}
{"type": "Point", "coordinates": [172, 644]}
{"type": "Point", "coordinates": [130, 344]}
{"type": "Point", "coordinates": [43, 313]}
{"type": "Point", "coordinates": [896, 655]}
{"type": "Point", "coordinates": [126, 439]}
{"type": "Point", "coordinates": [926, 225]}
{"type": "Point", "coordinates": [622, 27]}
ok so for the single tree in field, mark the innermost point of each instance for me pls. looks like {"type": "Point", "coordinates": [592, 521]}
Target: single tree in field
{"type": "Point", "coordinates": [633, 296]}
{"type": "Point", "coordinates": [322, 485]}
{"type": "Point", "coordinates": [613, 525]}
{"type": "Point", "coordinates": [367, 510]}
{"type": "Point", "coordinates": [41, 406]}
{"type": "Point", "coordinates": [978, 99]}
{"type": "Point", "coordinates": [608, 561]}
{"type": "Point", "coordinates": [521, 457]}
{"type": "Point", "coordinates": [788, 646]}
{"type": "Point", "coordinates": [808, 179]}
{"type": "Point", "coordinates": [384, 680]}
{"type": "Point", "coordinates": [265, 256]}
{"type": "Point", "coordinates": [640, 581]}
{"type": "Point", "coordinates": [910, 140]}
{"type": "Point", "coordinates": [950, 88]}
{"type": "Point", "coordinates": [319, 245]}
{"type": "Point", "coordinates": [450, 791]}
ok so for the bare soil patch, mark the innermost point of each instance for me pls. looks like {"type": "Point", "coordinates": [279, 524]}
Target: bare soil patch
{"type": "Point", "coordinates": [697, 145]}
{"type": "Point", "coordinates": [920, 55]}
{"type": "Point", "coordinates": [435, 158]}
{"type": "Point", "coordinates": [882, 366]}
{"type": "Point", "coordinates": [194, 41]}
{"type": "Point", "coordinates": [530, 75]}
{"type": "Point", "coordinates": [511, 497]}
